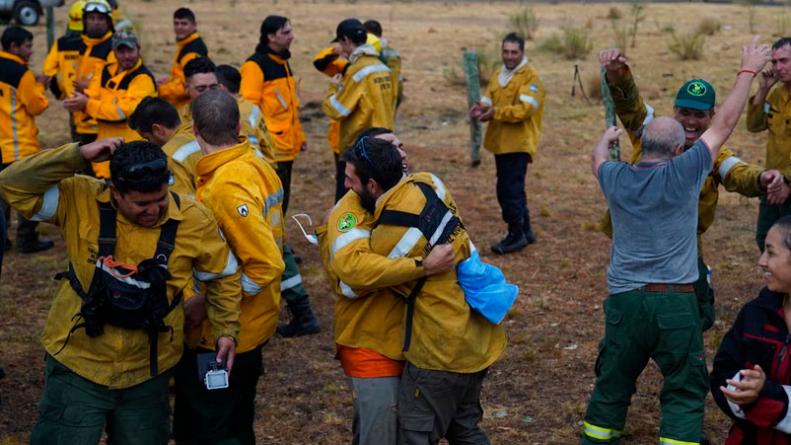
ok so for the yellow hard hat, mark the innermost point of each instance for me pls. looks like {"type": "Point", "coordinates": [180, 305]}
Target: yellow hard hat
{"type": "Point", "coordinates": [75, 16]}
{"type": "Point", "coordinates": [100, 6]}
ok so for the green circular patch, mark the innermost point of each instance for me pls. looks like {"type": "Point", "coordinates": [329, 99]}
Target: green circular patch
{"type": "Point", "coordinates": [697, 89]}
{"type": "Point", "coordinates": [347, 222]}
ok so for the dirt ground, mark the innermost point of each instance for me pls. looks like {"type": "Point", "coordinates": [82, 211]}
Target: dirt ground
{"type": "Point", "coordinates": [537, 392]}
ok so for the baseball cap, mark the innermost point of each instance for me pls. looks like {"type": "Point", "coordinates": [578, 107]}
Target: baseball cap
{"type": "Point", "coordinates": [696, 94]}
{"type": "Point", "coordinates": [125, 37]}
{"type": "Point", "coordinates": [349, 28]}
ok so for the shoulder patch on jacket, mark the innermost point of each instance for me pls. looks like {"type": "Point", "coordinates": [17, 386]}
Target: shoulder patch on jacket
{"type": "Point", "coordinates": [243, 210]}
{"type": "Point", "coordinates": [346, 222]}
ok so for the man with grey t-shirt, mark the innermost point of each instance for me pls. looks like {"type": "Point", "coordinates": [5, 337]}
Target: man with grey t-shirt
{"type": "Point", "coordinates": [652, 311]}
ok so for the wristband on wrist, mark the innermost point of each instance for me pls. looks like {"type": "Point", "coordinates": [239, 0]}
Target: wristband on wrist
{"type": "Point", "coordinates": [747, 71]}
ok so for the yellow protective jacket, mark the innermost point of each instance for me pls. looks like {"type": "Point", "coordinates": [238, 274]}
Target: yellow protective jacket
{"type": "Point", "coordinates": [518, 112]}
{"type": "Point", "coordinates": [267, 81]}
{"type": "Point", "coordinates": [446, 334]}
{"type": "Point", "coordinates": [113, 98]}
{"type": "Point", "coordinates": [93, 55]}
{"type": "Point", "coordinates": [174, 90]}
{"type": "Point", "coordinates": [183, 154]}
{"type": "Point", "coordinates": [44, 187]}
{"type": "Point", "coordinates": [392, 59]}
{"type": "Point", "coordinates": [254, 127]}
{"type": "Point", "coordinates": [728, 170]}
{"type": "Point", "coordinates": [372, 320]}
{"type": "Point", "coordinates": [21, 99]}
{"type": "Point", "coordinates": [774, 115]}
{"type": "Point", "coordinates": [363, 99]}
{"type": "Point", "coordinates": [61, 64]}
{"type": "Point", "coordinates": [233, 183]}
{"type": "Point", "coordinates": [329, 63]}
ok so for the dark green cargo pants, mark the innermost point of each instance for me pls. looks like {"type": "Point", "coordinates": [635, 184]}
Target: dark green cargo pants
{"type": "Point", "coordinates": [641, 325]}
{"type": "Point", "coordinates": [705, 294]}
{"type": "Point", "coordinates": [74, 411]}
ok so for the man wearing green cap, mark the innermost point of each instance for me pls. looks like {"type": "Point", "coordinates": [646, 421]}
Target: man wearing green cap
{"type": "Point", "coordinates": [770, 109]}
{"type": "Point", "coordinates": [694, 110]}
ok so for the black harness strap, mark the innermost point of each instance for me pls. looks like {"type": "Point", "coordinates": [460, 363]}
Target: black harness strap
{"type": "Point", "coordinates": [428, 222]}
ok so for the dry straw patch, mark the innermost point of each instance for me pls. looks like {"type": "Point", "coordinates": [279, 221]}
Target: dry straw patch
{"type": "Point", "coordinates": [303, 397]}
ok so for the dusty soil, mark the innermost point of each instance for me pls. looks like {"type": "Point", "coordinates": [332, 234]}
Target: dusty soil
{"type": "Point", "coordinates": [537, 392]}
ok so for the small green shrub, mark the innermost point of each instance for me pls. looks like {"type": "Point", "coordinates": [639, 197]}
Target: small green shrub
{"type": "Point", "coordinates": [614, 13]}
{"type": "Point", "coordinates": [525, 22]}
{"type": "Point", "coordinates": [709, 26]}
{"type": "Point", "coordinates": [688, 46]}
{"type": "Point", "coordinates": [572, 43]}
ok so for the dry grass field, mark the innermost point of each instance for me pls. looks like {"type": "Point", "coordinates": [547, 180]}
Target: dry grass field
{"type": "Point", "coordinates": [537, 392]}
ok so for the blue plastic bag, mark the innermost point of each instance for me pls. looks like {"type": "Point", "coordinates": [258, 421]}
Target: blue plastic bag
{"type": "Point", "coordinates": [485, 288]}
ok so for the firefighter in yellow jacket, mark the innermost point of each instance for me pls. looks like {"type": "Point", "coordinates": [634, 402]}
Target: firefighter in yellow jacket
{"type": "Point", "coordinates": [694, 109]}
{"type": "Point", "coordinates": [22, 98]}
{"type": "Point", "coordinates": [269, 83]}
{"type": "Point", "coordinates": [119, 362]}
{"type": "Point", "coordinates": [436, 306]}
{"type": "Point", "coordinates": [390, 57]}
{"type": "Point", "coordinates": [75, 61]}
{"type": "Point", "coordinates": [189, 46]}
{"type": "Point", "coordinates": [113, 96]}
{"type": "Point", "coordinates": [232, 182]}
{"type": "Point", "coordinates": [770, 110]}
{"type": "Point", "coordinates": [514, 108]}
{"type": "Point", "coordinates": [362, 96]}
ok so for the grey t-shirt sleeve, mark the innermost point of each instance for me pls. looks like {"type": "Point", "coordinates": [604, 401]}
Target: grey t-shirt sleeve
{"type": "Point", "coordinates": [607, 176]}
{"type": "Point", "coordinates": [694, 164]}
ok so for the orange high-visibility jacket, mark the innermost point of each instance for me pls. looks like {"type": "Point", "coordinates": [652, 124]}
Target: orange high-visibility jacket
{"type": "Point", "coordinates": [174, 91]}
{"type": "Point", "coordinates": [268, 82]}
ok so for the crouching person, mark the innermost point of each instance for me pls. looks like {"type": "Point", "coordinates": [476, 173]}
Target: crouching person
{"type": "Point", "coordinates": [448, 347]}
{"type": "Point", "coordinates": [114, 330]}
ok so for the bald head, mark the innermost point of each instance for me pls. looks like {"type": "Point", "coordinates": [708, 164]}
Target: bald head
{"type": "Point", "coordinates": [661, 137]}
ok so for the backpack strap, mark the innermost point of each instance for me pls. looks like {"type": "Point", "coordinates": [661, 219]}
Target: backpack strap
{"type": "Point", "coordinates": [107, 217]}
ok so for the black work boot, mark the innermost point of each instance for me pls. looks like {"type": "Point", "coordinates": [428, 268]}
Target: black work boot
{"type": "Point", "coordinates": [528, 231]}
{"type": "Point", "coordinates": [33, 245]}
{"type": "Point", "coordinates": [302, 322]}
{"type": "Point", "coordinates": [513, 242]}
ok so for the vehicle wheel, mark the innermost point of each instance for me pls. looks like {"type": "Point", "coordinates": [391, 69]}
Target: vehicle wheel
{"type": "Point", "coordinates": [26, 13]}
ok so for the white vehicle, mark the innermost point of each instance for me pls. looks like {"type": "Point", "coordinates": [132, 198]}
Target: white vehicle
{"type": "Point", "coordinates": [26, 12]}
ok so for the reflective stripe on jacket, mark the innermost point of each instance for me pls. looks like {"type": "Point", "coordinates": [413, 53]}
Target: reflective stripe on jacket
{"type": "Point", "coordinates": [374, 319]}
{"type": "Point", "coordinates": [518, 113]}
{"type": "Point", "coordinates": [21, 99]}
{"type": "Point", "coordinates": [254, 128]}
{"type": "Point", "coordinates": [364, 98]}
{"type": "Point", "coordinates": [44, 187]}
{"type": "Point", "coordinates": [330, 63]}
{"type": "Point", "coordinates": [174, 90]}
{"type": "Point", "coordinates": [233, 183]}
{"type": "Point", "coordinates": [183, 153]}
{"type": "Point", "coordinates": [268, 82]}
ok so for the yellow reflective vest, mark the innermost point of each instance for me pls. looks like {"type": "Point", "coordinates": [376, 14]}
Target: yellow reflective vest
{"type": "Point", "coordinates": [774, 115]}
{"type": "Point", "coordinates": [174, 90]}
{"type": "Point", "coordinates": [518, 112]}
{"type": "Point", "coordinates": [375, 319]}
{"type": "Point", "coordinates": [446, 334]}
{"type": "Point", "coordinates": [113, 97]}
{"type": "Point", "coordinates": [233, 183]}
{"type": "Point", "coordinates": [21, 99]}
{"type": "Point", "coordinates": [267, 81]}
{"type": "Point", "coordinates": [44, 187]}
{"type": "Point", "coordinates": [728, 170]}
{"type": "Point", "coordinates": [364, 97]}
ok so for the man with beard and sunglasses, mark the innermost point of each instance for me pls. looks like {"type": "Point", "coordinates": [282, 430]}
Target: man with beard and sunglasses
{"type": "Point", "coordinates": [416, 264]}
{"type": "Point", "coordinates": [694, 109]}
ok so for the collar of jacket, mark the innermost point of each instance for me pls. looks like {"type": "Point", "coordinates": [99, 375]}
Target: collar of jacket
{"type": "Point", "coordinates": [506, 75]}
{"type": "Point", "coordinates": [188, 39]}
{"type": "Point", "coordinates": [14, 57]}
{"type": "Point", "coordinates": [281, 57]}
{"type": "Point", "coordinates": [362, 50]}
{"type": "Point", "coordinates": [93, 41]}
{"type": "Point", "coordinates": [118, 70]}
{"type": "Point", "coordinates": [173, 211]}
{"type": "Point", "coordinates": [382, 199]}
{"type": "Point", "coordinates": [771, 301]}
{"type": "Point", "coordinates": [212, 161]}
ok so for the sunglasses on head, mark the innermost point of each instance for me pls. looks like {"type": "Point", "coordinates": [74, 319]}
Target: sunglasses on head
{"type": "Point", "coordinates": [361, 152]}
{"type": "Point", "coordinates": [137, 171]}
